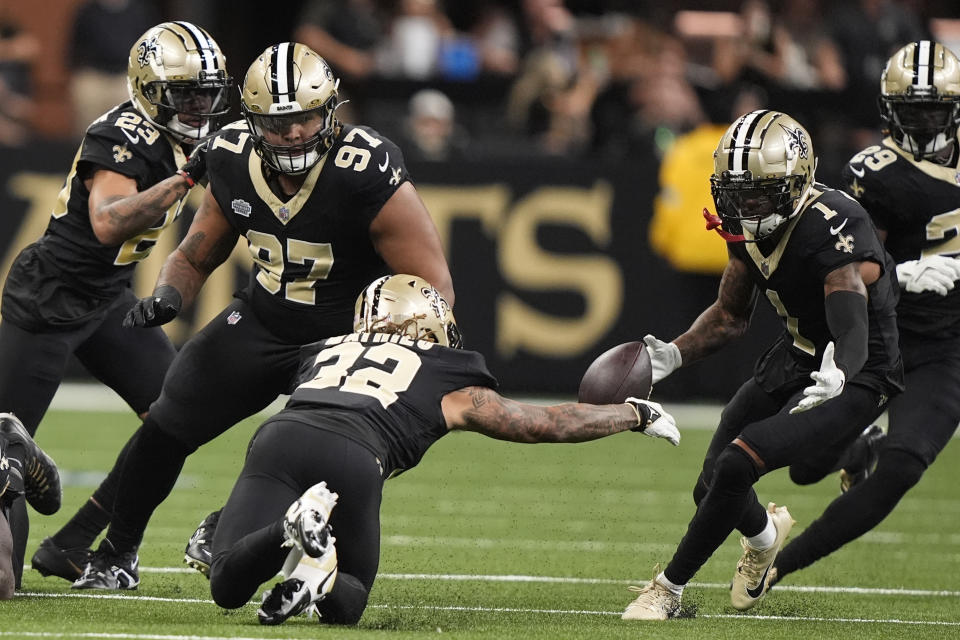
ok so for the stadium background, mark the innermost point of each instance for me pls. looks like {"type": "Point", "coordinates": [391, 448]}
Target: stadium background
{"type": "Point", "coordinates": [550, 248]}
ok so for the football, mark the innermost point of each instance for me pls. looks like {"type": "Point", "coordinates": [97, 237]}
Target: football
{"type": "Point", "coordinates": [617, 374]}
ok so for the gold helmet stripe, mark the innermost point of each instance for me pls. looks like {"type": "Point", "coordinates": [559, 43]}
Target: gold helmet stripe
{"type": "Point", "coordinates": [203, 43]}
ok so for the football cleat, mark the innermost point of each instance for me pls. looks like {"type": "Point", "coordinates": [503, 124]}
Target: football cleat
{"type": "Point", "coordinates": [66, 563]}
{"type": "Point", "coordinates": [198, 553]}
{"type": "Point", "coordinates": [305, 523]}
{"type": "Point", "coordinates": [750, 580]}
{"type": "Point", "coordinates": [866, 451]}
{"type": "Point", "coordinates": [41, 481]}
{"type": "Point", "coordinates": [653, 602]}
{"type": "Point", "coordinates": [284, 600]}
{"type": "Point", "coordinates": [109, 569]}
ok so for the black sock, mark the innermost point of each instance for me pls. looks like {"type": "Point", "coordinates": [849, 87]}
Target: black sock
{"type": "Point", "coordinates": [83, 528]}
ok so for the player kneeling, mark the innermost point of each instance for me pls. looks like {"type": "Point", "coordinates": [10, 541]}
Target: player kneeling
{"type": "Point", "coordinates": [368, 406]}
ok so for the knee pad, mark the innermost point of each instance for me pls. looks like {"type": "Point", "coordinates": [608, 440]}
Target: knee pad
{"type": "Point", "coordinates": [345, 603]}
{"type": "Point", "coordinates": [700, 489]}
{"type": "Point", "coordinates": [155, 438]}
{"type": "Point", "coordinates": [898, 470]}
{"type": "Point", "coordinates": [735, 470]}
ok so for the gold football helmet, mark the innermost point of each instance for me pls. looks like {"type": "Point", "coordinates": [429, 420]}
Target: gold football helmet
{"type": "Point", "coordinates": [289, 95]}
{"type": "Point", "coordinates": [920, 99]}
{"type": "Point", "coordinates": [763, 173]}
{"type": "Point", "coordinates": [177, 78]}
{"type": "Point", "coordinates": [409, 306]}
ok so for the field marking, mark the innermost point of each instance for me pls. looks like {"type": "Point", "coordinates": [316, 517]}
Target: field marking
{"type": "Point", "coordinates": [716, 616]}
{"type": "Point", "coordinates": [453, 577]}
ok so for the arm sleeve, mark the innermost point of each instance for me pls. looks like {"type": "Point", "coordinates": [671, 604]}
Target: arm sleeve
{"type": "Point", "coordinates": [847, 320]}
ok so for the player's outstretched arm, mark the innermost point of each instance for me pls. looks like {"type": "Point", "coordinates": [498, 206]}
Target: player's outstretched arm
{"type": "Point", "coordinates": [119, 212]}
{"type": "Point", "coordinates": [485, 411]}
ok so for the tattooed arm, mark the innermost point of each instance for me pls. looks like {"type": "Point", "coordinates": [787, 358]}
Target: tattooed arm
{"type": "Point", "coordinates": [119, 212]}
{"type": "Point", "coordinates": [485, 411]}
{"type": "Point", "coordinates": [208, 243]}
{"type": "Point", "coordinates": [724, 320]}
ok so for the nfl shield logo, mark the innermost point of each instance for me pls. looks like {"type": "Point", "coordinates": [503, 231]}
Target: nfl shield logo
{"type": "Point", "coordinates": [234, 317]}
{"type": "Point", "coordinates": [284, 214]}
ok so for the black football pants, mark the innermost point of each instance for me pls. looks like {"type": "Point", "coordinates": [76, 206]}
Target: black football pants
{"type": "Point", "coordinates": [286, 458]}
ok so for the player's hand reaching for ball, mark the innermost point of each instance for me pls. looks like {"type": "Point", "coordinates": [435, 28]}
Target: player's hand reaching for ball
{"type": "Point", "coordinates": [664, 357]}
{"type": "Point", "coordinates": [653, 421]}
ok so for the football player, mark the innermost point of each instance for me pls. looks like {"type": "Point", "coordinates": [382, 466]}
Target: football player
{"type": "Point", "coordinates": [25, 470]}
{"type": "Point", "coordinates": [67, 292]}
{"type": "Point", "coordinates": [324, 208]}
{"type": "Point", "coordinates": [368, 406]}
{"type": "Point", "coordinates": [910, 185]}
{"type": "Point", "coordinates": [813, 253]}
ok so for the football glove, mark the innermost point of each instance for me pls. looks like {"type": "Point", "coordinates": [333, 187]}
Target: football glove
{"type": "Point", "coordinates": [664, 357]}
{"type": "Point", "coordinates": [195, 168]}
{"type": "Point", "coordinates": [160, 308]}
{"type": "Point", "coordinates": [934, 273]}
{"type": "Point", "coordinates": [653, 421]}
{"type": "Point", "coordinates": [829, 383]}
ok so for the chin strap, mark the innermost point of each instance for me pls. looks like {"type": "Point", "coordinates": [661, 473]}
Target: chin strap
{"type": "Point", "coordinates": [714, 222]}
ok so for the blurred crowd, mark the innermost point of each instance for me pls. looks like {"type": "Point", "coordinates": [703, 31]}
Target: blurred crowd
{"type": "Point", "coordinates": [615, 79]}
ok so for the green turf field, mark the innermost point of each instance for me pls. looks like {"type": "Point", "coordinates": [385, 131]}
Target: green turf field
{"type": "Point", "coordinates": [496, 540]}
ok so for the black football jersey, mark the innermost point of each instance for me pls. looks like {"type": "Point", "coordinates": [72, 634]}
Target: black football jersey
{"type": "Point", "coordinates": [312, 253]}
{"type": "Point", "coordinates": [831, 230]}
{"type": "Point", "coordinates": [384, 391]}
{"type": "Point", "coordinates": [70, 273]}
{"type": "Point", "coordinates": [918, 205]}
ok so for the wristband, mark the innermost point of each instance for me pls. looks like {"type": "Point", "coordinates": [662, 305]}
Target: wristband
{"type": "Point", "coordinates": [186, 176]}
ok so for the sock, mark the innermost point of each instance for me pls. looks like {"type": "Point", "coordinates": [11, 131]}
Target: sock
{"type": "Point", "coordinates": [675, 589]}
{"type": "Point", "coordinates": [764, 539]}
{"type": "Point", "coordinates": [83, 528]}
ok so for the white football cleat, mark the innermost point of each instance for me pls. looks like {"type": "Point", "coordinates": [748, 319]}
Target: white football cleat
{"type": "Point", "coordinates": [750, 580]}
{"type": "Point", "coordinates": [654, 602]}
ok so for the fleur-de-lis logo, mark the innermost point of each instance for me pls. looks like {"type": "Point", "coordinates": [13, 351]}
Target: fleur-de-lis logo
{"type": "Point", "coordinates": [856, 189]}
{"type": "Point", "coordinates": [120, 153]}
{"type": "Point", "coordinates": [395, 175]}
{"type": "Point", "coordinates": [797, 140]}
{"type": "Point", "coordinates": [844, 243]}
{"type": "Point", "coordinates": [149, 49]}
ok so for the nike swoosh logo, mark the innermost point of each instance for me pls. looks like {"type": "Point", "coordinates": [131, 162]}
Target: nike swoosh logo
{"type": "Point", "coordinates": [386, 163]}
{"type": "Point", "coordinates": [857, 172]}
{"type": "Point", "coordinates": [757, 591]}
{"type": "Point", "coordinates": [835, 230]}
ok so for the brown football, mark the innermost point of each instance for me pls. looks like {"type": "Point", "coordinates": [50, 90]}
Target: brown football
{"type": "Point", "coordinates": [617, 374]}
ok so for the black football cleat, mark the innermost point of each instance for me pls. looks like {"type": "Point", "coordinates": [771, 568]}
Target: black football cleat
{"type": "Point", "coordinates": [109, 569]}
{"type": "Point", "coordinates": [285, 600]}
{"type": "Point", "coordinates": [865, 451]}
{"type": "Point", "coordinates": [199, 551]}
{"type": "Point", "coordinates": [51, 560]}
{"type": "Point", "coordinates": [41, 480]}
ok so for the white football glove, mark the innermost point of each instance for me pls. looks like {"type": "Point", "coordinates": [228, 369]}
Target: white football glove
{"type": "Point", "coordinates": [934, 273]}
{"type": "Point", "coordinates": [653, 421]}
{"type": "Point", "coordinates": [664, 357]}
{"type": "Point", "coordinates": [829, 383]}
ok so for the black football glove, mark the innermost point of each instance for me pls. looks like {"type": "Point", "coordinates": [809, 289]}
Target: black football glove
{"type": "Point", "coordinates": [195, 168]}
{"type": "Point", "coordinates": [653, 421]}
{"type": "Point", "coordinates": [160, 308]}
